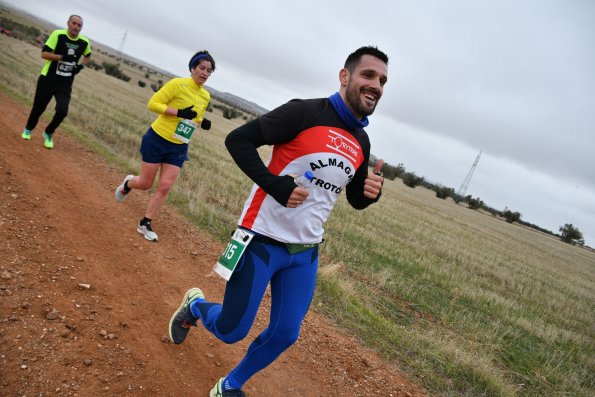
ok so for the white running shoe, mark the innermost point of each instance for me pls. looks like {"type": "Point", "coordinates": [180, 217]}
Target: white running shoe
{"type": "Point", "coordinates": [147, 231]}
{"type": "Point", "coordinates": [120, 192]}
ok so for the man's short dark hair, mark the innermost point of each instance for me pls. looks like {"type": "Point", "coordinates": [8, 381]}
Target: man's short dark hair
{"type": "Point", "coordinates": [74, 15]}
{"type": "Point", "coordinates": [354, 58]}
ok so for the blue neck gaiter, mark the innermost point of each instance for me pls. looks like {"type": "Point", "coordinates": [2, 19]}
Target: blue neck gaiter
{"type": "Point", "coordinates": [345, 114]}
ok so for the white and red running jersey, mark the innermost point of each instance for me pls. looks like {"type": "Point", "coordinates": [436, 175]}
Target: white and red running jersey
{"type": "Point", "coordinates": [308, 135]}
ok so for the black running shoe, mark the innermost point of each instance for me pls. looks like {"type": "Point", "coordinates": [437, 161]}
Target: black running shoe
{"type": "Point", "coordinates": [182, 319]}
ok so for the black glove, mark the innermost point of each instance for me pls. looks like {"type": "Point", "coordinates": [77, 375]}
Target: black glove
{"type": "Point", "coordinates": [187, 113]}
{"type": "Point", "coordinates": [78, 68]}
{"type": "Point", "coordinates": [69, 58]}
{"type": "Point", "coordinates": [205, 124]}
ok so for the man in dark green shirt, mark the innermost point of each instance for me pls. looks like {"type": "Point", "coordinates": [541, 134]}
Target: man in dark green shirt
{"type": "Point", "coordinates": [61, 52]}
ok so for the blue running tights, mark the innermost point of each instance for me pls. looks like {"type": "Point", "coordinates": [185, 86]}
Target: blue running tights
{"type": "Point", "coordinates": [292, 278]}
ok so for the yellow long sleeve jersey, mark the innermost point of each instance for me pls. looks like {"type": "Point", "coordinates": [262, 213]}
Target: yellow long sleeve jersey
{"type": "Point", "coordinates": [178, 93]}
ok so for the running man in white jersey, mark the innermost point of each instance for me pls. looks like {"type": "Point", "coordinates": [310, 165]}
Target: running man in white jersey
{"type": "Point", "coordinates": [325, 136]}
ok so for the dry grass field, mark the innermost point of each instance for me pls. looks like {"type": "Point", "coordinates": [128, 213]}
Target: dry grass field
{"type": "Point", "coordinates": [472, 305]}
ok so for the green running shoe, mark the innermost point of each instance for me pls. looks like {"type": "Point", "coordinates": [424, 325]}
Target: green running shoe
{"type": "Point", "coordinates": [48, 142]}
{"type": "Point", "coordinates": [26, 134]}
{"type": "Point", "coordinates": [218, 391]}
{"type": "Point", "coordinates": [182, 319]}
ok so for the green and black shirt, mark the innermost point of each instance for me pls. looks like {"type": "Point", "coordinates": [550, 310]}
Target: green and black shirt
{"type": "Point", "coordinates": [60, 43]}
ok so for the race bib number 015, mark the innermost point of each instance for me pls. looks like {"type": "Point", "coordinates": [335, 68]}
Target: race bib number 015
{"type": "Point", "coordinates": [233, 252]}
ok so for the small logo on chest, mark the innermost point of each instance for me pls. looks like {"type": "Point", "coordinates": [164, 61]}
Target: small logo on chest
{"type": "Point", "coordinates": [343, 145]}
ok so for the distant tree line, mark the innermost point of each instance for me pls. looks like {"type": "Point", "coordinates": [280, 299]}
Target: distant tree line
{"type": "Point", "coordinates": [157, 86]}
{"type": "Point", "coordinates": [239, 108]}
{"type": "Point", "coordinates": [94, 65]}
{"type": "Point", "coordinates": [113, 69]}
{"type": "Point", "coordinates": [510, 216]}
{"type": "Point", "coordinates": [228, 111]}
{"type": "Point", "coordinates": [26, 33]}
{"type": "Point", "coordinates": [568, 233]}
{"type": "Point", "coordinates": [444, 192]}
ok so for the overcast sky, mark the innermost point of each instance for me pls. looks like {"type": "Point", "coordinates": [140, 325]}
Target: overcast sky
{"type": "Point", "coordinates": [513, 78]}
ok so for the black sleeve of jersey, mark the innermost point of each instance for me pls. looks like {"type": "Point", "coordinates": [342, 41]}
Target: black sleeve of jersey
{"type": "Point", "coordinates": [355, 188]}
{"type": "Point", "coordinates": [284, 123]}
{"type": "Point", "coordinates": [242, 144]}
{"type": "Point", "coordinates": [45, 48]}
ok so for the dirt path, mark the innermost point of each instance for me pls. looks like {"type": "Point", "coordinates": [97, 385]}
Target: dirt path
{"type": "Point", "coordinates": [60, 227]}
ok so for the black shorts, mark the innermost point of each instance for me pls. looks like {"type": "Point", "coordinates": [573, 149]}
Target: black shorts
{"type": "Point", "coordinates": [155, 149]}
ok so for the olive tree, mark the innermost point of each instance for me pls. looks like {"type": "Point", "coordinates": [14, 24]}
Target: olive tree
{"type": "Point", "coordinates": [571, 235]}
{"type": "Point", "coordinates": [511, 216]}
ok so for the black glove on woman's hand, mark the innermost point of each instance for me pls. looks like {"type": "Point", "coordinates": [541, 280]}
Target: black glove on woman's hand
{"type": "Point", "coordinates": [205, 124]}
{"type": "Point", "coordinates": [187, 113]}
{"type": "Point", "coordinates": [78, 68]}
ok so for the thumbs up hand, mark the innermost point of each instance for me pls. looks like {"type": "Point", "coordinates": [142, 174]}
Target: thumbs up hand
{"type": "Point", "coordinates": [378, 167]}
{"type": "Point", "coordinates": [374, 181]}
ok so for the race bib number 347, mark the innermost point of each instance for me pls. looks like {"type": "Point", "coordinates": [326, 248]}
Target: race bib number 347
{"type": "Point", "coordinates": [185, 129]}
{"type": "Point", "coordinates": [232, 253]}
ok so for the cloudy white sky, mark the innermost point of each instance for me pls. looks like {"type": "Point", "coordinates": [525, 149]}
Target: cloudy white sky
{"type": "Point", "coordinates": [513, 78]}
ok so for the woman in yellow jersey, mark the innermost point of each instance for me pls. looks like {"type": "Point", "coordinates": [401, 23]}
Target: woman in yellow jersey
{"type": "Point", "coordinates": [181, 104]}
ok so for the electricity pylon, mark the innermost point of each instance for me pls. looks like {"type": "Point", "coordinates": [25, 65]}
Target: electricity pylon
{"type": "Point", "coordinates": [121, 49]}
{"type": "Point", "coordinates": [463, 189]}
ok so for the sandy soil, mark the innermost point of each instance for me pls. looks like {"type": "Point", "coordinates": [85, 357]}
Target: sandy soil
{"type": "Point", "coordinates": [60, 227]}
